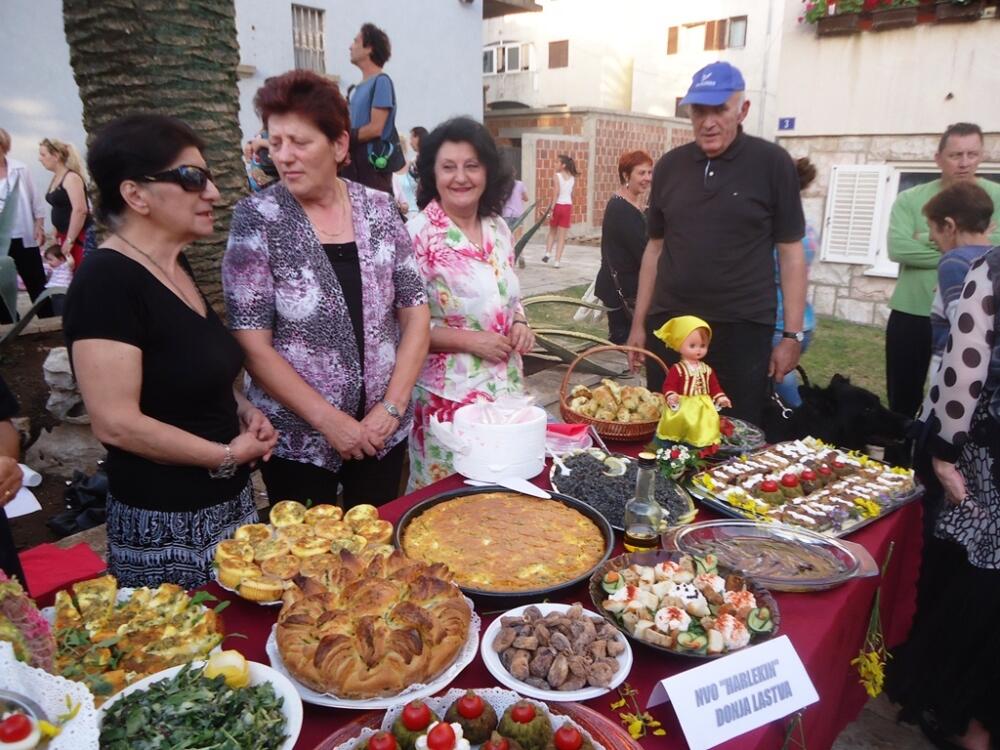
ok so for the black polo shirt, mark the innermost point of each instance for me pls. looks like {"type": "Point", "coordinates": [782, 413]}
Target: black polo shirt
{"type": "Point", "coordinates": [720, 219]}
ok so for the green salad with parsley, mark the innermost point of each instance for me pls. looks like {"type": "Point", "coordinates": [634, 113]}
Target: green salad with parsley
{"type": "Point", "coordinates": [190, 710]}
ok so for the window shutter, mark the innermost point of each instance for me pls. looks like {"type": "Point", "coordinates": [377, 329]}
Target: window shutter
{"type": "Point", "coordinates": [721, 28]}
{"type": "Point", "coordinates": [710, 35]}
{"type": "Point", "coordinates": [559, 54]}
{"type": "Point", "coordinates": [854, 213]}
{"type": "Point", "coordinates": [672, 40]}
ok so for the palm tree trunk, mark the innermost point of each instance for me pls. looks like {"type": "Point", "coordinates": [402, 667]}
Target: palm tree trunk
{"type": "Point", "coordinates": [176, 57]}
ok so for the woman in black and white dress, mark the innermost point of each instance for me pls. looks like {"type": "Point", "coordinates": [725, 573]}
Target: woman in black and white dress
{"type": "Point", "coordinates": [944, 676]}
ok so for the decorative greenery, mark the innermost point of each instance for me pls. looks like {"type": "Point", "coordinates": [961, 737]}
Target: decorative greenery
{"type": "Point", "coordinates": [817, 9]}
{"type": "Point", "coordinates": [871, 659]}
{"type": "Point", "coordinates": [636, 721]}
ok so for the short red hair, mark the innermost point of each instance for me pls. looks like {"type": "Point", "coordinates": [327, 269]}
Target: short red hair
{"type": "Point", "coordinates": [307, 94]}
{"type": "Point", "coordinates": [630, 161]}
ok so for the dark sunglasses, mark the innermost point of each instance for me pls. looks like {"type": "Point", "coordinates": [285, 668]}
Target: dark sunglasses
{"type": "Point", "coordinates": [191, 178]}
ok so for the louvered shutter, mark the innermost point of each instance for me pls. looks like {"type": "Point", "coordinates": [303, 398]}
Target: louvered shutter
{"type": "Point", "coordinates": [855, 209]}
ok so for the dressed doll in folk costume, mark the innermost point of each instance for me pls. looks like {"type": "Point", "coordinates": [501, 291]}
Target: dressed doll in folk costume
{"type": "Point", "coordinates": [693, 393]}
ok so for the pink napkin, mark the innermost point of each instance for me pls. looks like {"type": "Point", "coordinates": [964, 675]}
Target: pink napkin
{"type": "Point", "coordinates": [49, 569]}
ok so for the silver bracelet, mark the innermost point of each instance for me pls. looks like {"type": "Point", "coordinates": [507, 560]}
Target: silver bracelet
{"type": "Point", "coordinates": [227, 469]}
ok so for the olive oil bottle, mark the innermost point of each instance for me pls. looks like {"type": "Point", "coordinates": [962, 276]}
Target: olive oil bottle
{"type": "Point", "coordinates": [643, 515]}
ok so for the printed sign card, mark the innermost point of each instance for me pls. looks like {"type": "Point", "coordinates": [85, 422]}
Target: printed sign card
{"type": "Point", "coordinates": [735, 694]}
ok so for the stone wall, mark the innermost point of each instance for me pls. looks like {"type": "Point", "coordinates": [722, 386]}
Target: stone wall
{"type": "Point", "coordinates": [845, 290]}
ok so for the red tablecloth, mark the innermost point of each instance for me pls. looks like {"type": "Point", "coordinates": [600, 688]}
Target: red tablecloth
{"type": "Point", "coordinates": [827, 629]}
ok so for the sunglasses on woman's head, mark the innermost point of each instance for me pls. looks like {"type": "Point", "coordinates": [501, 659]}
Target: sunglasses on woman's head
{"type": "Point", "coordinates": [191, 178]}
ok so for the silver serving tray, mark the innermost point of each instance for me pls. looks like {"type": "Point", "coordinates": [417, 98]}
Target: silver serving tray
{"type": "Point", "coordinates": [851, 560]}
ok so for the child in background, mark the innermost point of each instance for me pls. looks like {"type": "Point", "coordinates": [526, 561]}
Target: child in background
{"type": "Point", "coordinates": [59, 273]}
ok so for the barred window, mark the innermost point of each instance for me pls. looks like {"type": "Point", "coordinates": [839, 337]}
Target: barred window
{"type": "Point", "coordinates": [308, 38]}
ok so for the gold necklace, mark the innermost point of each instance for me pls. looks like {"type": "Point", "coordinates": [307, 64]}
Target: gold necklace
{"type": "Point", "coordinates": [344, 217]}
{"type": "Point", "coordinates": [163, 270]}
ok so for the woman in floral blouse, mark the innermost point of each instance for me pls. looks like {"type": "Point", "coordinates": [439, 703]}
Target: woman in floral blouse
{"type": "Point", "coordinates": [465, 252]}
{"type": "Point", "coordinates": [325, 297]}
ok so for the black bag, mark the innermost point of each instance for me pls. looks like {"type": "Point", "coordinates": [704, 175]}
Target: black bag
{"type": "Point", "coordinates": [86, 500]}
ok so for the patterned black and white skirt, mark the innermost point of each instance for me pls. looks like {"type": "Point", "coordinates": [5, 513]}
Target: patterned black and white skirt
{"type": "Point", "coordinates": [149, 547]}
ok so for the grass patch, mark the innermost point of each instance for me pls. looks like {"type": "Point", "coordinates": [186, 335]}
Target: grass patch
{"type": "Point", "coordinates": [853, 350]}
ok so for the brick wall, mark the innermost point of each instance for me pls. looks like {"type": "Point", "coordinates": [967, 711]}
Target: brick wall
{"type": "Point", "coordinates": [595, 139]}
{"type": "Point", "coordinates": [547, 151]}
{"type": "Point", "coordinates": [615, 136]}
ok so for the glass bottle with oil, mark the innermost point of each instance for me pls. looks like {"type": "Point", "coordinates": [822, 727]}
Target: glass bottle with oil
{"type": "Point", "coordinates": [643, 515]}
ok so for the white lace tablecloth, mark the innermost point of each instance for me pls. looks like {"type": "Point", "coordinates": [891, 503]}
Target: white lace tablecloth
{"type": "Point", "coordinates": [49, 691]}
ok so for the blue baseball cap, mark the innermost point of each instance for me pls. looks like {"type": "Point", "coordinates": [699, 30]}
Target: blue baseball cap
{"type": "Point", "coordinates": [714, 84]}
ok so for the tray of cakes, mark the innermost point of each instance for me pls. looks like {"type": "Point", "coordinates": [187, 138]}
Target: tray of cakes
{"type": "Point", "coordinates": [484, 718]}
{"type": "Point", "coordinates": [262, 560]}
{"type": "Point", "coordinates": [807, 484]}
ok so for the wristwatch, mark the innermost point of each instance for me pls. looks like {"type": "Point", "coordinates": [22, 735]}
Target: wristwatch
{"type": "Point", "coordinates": [393, 411]}
{"type": "Point", "coordinates": [227, 469]}
{"type": "Point", "coordinates": [799, 336]}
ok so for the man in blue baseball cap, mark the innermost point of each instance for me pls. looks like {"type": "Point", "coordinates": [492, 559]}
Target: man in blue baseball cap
{"type": "Point", "coordinates": [720, 206]}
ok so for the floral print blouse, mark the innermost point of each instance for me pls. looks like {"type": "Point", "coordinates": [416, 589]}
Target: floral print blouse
{"type": "Point", "coordinates": [276, 276]}
{"type": "Point", "coordinates": [470, 289]}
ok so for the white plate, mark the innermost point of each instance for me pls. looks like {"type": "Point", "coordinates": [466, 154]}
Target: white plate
{"type": "Point", "coordinates": [465, 657]}
{"type": "Point", "coordinates": [291, 705]}
{"type": "Point", "coordinates": [492, 660]}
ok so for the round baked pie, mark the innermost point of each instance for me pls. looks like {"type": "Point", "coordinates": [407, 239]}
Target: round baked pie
{"type": "Point", "coordinates": [505, 542]}
{"type": "Point", "coordinates": [284, 567]}
{"type": "Point", "coordinates": [253, 533]}
{"type": "Point", "coordinates": [313, 545]}
{"type": "Point", "coordinates": [354, 543]}
{"type": "Point", "coordinates": [270, 548]}
{"type": "Point", "coordinates": [262, 589]}
{"type": "Point", "coordinates": [361, 514]}
{"type": "Point", "coordinates": [323, 511]}
{"type": "Point", "coordinates": [287, 513]}
{"type": "Point", "coordinates": [233, 550]}
{"type": "Point", "coordinates": [295, 533]}
{"type": "Point", "coordinates": [378, 531]}
{"type": "Point", "coordinates": [233, 572]}
{"type": "Point", "coordinates": [316, 565]}
{"type": "Point", "coordinates": [379, 627]}
{"type": "Point", "coordinates": [329, 528]}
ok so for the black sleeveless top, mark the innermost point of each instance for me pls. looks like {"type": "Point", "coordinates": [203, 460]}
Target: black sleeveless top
{"type": "Point", "coordinates": [62, 207]}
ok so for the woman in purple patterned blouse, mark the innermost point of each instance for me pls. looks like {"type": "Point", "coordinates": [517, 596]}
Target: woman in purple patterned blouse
{"type": "Point", "coordinates": [324, 295]}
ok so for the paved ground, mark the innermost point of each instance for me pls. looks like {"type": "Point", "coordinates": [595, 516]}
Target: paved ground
{"type": "Point", "coordinates": [876, 728]}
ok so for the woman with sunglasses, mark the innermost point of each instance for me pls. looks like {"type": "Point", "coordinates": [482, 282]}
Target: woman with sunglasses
{"type": "Point", "coordinates": [156, 365]}
{"type": "Point", "coordinates": [324, 294]}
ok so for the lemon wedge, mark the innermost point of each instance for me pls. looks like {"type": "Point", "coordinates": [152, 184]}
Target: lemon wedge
{"type": "Point", "coordinates": [614, 466]}
{"type": "Point", "coordinates": [232, 665]}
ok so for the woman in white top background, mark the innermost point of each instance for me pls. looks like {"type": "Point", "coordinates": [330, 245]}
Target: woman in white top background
{"type": "Point", "coordinates": [564, 180]}
{"type": "Point", "coordinates": [26, 226]}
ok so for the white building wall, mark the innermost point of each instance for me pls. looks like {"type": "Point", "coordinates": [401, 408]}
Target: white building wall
{"type": "Point", "coordinates": [618, 54]}
{"type": "Point", "coordinates": [436, 46]}
{"type": "Point", "coordinates": [912, 80]}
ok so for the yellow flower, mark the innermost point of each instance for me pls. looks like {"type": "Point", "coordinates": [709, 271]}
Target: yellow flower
{"type": "Point", "coordinates": [868, 508]}
{"type": "Point", "coordinates": [871, 669]}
